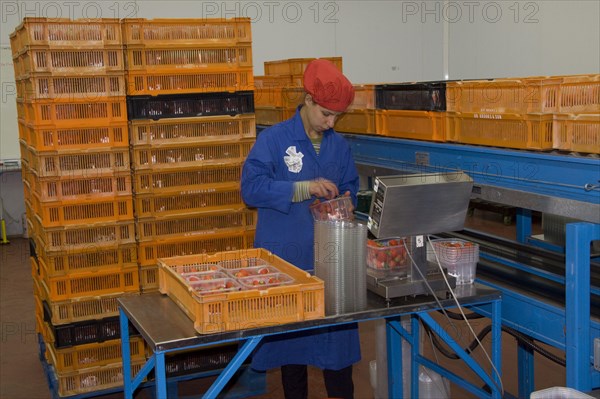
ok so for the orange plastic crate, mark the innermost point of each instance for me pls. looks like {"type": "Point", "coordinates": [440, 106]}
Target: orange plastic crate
{"type": "Point", "coordinates": [84, 309]}
{"type": "Point", "coordinates": [86, 138]}
{"type": "Point", "coordinates": [149, 278]}
{"type": "Point", "coordinates": [268, 97]}
{"type": "Point", "coordinates": [70, 61]}
{"type": "Point", "coordinates": [150, 251]}
{"type": "Point", "coordinates": [302, 300]}
{"type": "Point", "coordinates": [364, 97]}
{"type": "Point", "coordinates": [579, 133]}
{"type": "Point", "coordinates": [274, 81]}
{"type": "Point", "coordinates": [79, 164]}
{"type": "Point", "coordinates": [94, 236]}
{"type": "Point", "coordinates": [65, 188]}
{"type": "Point", "coordinates": [192, 225]}
{"type": "Point", "coordinates": [91, 88]}
{"type": "Point", "coordinates": [75, 113]}
{"type": "Point", "coordinates": [188, 203]}
{"type": "Point", "coordinates": [84, 356]}
{"type": "Point", "coordinates": [272, 115]}
{"type": "Point", "coordinates": [104, 282]}
{"type": "Point", "coordinates": [189, 155]}
{"type": "Point", "coordinates": [64, 32]}
{"type": "Point", "coordinates": [418, 125]}
{"type": "Point", "coordinates": [191, 179]}
{"type": "Point", "coordinates": [60, 263]}
{"type": "Point", "coordinates": [63, 213]}
{"type": "Point", "coordinates": [186, 32]}
{"type": "Point", "coordinates": [294, 66]}
{"type": "Point", "coordinates": [534, 131]}
{"type": "Point", "coordinates": [193, 130]}
{"type": "Point", "coordinates": [173, 59]}
{"type": "Point", "coordinates": [184, 81]}
{"type": "Point", "coordinates": [292, 97]}
{"type": "Point", "coordinates": [356, 121]}
{"type": "Point", "coordinates": [580, 94]}
{"type": "Point", "coordinates": [93, 379]}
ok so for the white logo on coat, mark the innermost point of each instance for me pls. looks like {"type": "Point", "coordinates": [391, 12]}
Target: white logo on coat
{"type": "Point", "coordinates": [293, 159]}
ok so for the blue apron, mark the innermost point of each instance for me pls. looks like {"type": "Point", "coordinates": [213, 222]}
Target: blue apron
{"type": "Point", "coordinates": [282, 155]}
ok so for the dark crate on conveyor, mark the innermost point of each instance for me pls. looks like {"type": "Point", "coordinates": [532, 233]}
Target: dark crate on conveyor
{"type": "Point", "coordinates": [189, 105]}
{"type": "Point", "coordinates": [423, 96]}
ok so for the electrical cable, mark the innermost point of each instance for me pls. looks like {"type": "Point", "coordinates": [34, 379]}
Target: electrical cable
{"type": "Point", "coordinates": [453, 295]}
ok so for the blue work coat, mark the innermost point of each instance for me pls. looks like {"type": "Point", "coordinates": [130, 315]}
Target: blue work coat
{"type": "Point", "coordinates": [282, 155]}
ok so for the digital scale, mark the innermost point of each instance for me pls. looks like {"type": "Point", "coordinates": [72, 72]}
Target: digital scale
{"type": "Point", "coordinates": [414, 206]}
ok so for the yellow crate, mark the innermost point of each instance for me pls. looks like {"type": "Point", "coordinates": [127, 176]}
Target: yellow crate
{"type": "Point", "coordinates": [174, 59]}
{"type": "Point", "coordinates": [295, 66]}
{"type": "Point", "coordinates": [86, 284]}
{"type": "Point", "coordinates": [193, 130]}
{"type": "Point", "coordinates": [533, 131]}
{"type": "Point", "coordinates": [188, 203]}
{"type": "Point", "coordinates": [364, 97]}
{"type": "Point", "coordinates": [181, 82]}
{"type": "Point", "coordinates": [65, 32]}
{"type": "Point", "coordinates": [70, 61]}
{"type": "Point", "coordinates": [162, 181]}
{"type": "Point", "coordinates": [578, 133]}
{"type": "Point", "coordinates": [159, 229]}
{"type": "Point", "coordinates": [85, 356]}
{"type": "Point", "coordinates": [302, 300]}
{"type": "Point", "coordinates": [75, 113]}
{"type": "Point", "coordinates": [94, 378]}
{"type": "Point", "coordinates": [94, 236]}
{"type": "Point", "coordinates": [38, 86]}
{"type": "Point", "coordinates": [77, 164]}
{"type": "Point", "coordinates": [199, 154]}
{"type": "Point", "coordinates": [59, 263]}
{"type": "Point", "coordinates": [292, 97]}
{"type": "Point", "coordinates": [186, 32]}
{"type": "Point", "coordinates": [580, 94]}
{"type": "Point", "coordinates": [86, 138]}
{"type": "Point", "coordinates": [80, 211]}
{"type": "Point", "coordinates": [65, 188]}
{"type": "Point", "coordinates": [356, 121]}
{"type": "Point", "coordinates": [150, 251]}
{"type": "Point", "coordinates": [418, 125]}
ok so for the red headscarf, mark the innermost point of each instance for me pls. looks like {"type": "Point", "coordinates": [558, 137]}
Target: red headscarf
{"type": "Point", "coordinates": [328, 86]}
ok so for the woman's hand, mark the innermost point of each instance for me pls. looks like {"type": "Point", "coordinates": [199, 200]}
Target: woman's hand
{"type": "Point", "coordinates": [323, 188]}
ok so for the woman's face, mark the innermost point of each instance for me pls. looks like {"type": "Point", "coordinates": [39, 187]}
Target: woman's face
{"type": "Point", "coordinates": [319, 118]}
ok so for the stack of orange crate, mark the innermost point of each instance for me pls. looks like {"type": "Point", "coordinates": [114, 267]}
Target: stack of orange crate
{"type": "Point", "coordinates": [280, 89]}
{"type": "Point", "coordinates": [76, 172]}
{"type": "Point", "coordinates": [192, 124]}
{"type": "Point", "coordinates": [536, 113]}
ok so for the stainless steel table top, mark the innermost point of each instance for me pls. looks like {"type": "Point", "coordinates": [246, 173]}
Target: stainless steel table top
{"type": "Point", "coordinates": [165, 326]}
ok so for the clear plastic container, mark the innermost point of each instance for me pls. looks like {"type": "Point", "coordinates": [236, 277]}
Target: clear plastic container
{"type": "Point", "coordinates": [197, 277]}
{"type": "Point", "coordinates": [252, 271]}
{"type": "Point", "coordinates": [559, 393]}
{"type": "Point", "coordinates": [459, 257]}
{"type": "Point", "coordinates": [264, 281]}
{"type": "Point", "coordinates": [216, 286]}
{"type": "Point", "coordinates": [388, 255]}
{"type": "Point", "coordinates": [340, 208]}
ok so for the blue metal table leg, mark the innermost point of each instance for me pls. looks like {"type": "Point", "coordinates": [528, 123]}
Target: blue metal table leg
{"type": "Point", "coordinates": [160, 375]}
{"type": "Point", "coordinates": [394, 335]}
{"type": "Point", "coordinates": [496, 318]}
{"type": "Point", "coordinates": [414, 354]}
{"type": "Point", "coordinates": [577, 310]}
{"type": "Point", "coordinates": [126, 355]}
{"type": "Point", "coordinates": [232, 367]}
{"type": "Point", "coordinates": [526, 375]}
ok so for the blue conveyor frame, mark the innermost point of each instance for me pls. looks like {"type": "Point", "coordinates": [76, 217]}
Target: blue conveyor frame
{"type": "Point", "coordinates": [561, 184]}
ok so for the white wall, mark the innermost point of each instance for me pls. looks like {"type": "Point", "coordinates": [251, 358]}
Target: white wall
{"type": "Point", "coordinates": [380, 41]}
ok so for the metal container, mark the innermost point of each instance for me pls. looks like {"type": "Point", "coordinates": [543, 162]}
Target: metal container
{"type": "Point", "coordinates": [416, 204]}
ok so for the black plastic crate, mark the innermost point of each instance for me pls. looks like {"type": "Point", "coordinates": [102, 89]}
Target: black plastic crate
{"type": "Point", "coordinates": [426, 96]}
{"type": "Point", "coordinates": [85, 332]}
{"type": "Point", "coordinates": [190, 105]}
{"type": "Point", "coordinates": [201, 360]}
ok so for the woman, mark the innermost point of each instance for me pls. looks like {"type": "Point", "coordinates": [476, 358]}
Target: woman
{"type": "Point", "coordinates": [290, 165]}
